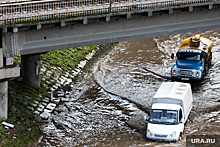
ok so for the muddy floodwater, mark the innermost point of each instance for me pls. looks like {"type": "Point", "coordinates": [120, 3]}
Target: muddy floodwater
{"type": "Point", "coordinates": [108, 106]}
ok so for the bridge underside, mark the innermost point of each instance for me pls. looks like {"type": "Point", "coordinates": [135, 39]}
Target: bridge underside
{"type": "Point", "coordinates": [38, 38]}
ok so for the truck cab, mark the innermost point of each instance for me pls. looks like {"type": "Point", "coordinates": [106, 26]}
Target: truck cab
{"type": "Point", "coordinates": [193, 59]}
{"type": "Point", "coordinates": [166, 122]}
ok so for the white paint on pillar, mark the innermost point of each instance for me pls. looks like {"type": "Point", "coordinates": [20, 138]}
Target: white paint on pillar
{"type": "Point", "coordinates": [1, 58]}
{"type": "Point", "coordinates": [3, 94]}
{"type": "Point", "coordinates": [3, 100]}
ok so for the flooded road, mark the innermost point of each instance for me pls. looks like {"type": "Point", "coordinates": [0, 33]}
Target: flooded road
{"type": "Point", "coordinates": [108, 106]}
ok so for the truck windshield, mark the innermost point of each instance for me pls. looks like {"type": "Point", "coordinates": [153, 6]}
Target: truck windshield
{"type": "Point", "coordinates": [163, 117]}
{"type": "Point", "coordinates": [188, 56]}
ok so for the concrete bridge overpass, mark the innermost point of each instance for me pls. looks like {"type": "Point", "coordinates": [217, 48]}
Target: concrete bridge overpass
{"type": "Point", "coordinates": [32, 39]}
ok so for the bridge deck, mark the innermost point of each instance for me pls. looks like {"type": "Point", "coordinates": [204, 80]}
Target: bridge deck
{"type": "Point", "coordinates": [55, 9]}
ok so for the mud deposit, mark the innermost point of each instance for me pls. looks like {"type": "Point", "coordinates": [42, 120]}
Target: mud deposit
{"type": "Point", "coordinates": [108, 106]}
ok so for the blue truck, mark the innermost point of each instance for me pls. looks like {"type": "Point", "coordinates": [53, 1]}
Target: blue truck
{"type": "Point", "coordinates": [193, 59]}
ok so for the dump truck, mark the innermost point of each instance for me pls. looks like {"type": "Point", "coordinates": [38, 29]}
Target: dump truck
{"type": "Point", "coordinates": [193, 59]}
{"type": "Point", "coordinates": [170, 108]}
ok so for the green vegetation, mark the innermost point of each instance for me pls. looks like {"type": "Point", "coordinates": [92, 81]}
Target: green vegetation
{"type": "Point", "coordinates": [21, 95]}
{"type": "Point", "coordinates": [67, 59]}
{"type": "Point", "coordinates": [17, 60]}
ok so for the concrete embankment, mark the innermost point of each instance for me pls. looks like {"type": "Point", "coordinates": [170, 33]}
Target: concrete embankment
{"type": "Point", "coordinates": [30, 107]}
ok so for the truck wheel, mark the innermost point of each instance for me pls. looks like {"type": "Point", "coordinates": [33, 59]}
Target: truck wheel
{"type": "Point", "coordinates": [210, 63]}
{"type": "Point", "coordinates": [173, 79]}
{"type": "Point", "coordinates": [204, 71]}
{"type": "Point", "coordinates": [181, 135]}
{"type": "Point", "coordinates": [178, 138]}
{"type": "Point", "coordinates": [210, 60]}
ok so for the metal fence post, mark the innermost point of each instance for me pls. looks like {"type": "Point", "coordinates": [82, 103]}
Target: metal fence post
{"type": "Point", "coordinates": [110, 6]}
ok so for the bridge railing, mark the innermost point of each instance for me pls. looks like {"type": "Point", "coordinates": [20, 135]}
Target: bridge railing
{"type": "Point", "coordinates": [35, 11]}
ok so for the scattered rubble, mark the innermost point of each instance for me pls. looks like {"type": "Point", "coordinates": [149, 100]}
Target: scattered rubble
{"type": "Point", "coordinates": [65, 99]}
{"type": "Point", "coordinates": [45, 115]}
{"type": "Point", "coordinates": [8, 125]}
{"type": "Point", "coordinates": [51, 106]}
{"type": "Point", "coordinates": [60, 83]}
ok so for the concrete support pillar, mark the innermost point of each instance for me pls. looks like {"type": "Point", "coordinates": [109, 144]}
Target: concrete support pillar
{"type": "Point", "coordinates": [85, 20]}
{"type": "Point", "coordinates": [170, 11]}
{"type": "Point", "coordinates": [62, 24]}
{"type": "Point", "coordinates": [211, 6]}
{"type": "Point", "coordinates": [128, 15]}
{"type": "Point", "coordinates": [3, 93]}
{"type": "Point", "coordinates": [108, 17]}
{"type": "Point", "coordinates": [150, 13]}
{"type": "Point", "coordinates": [190, 8]}
{"type": "Point", "coordinates": [3, 100]}
{"type": "Point", "coordinates": [39, 26]}
{"type": "Point", "coordinates": [30, 65]}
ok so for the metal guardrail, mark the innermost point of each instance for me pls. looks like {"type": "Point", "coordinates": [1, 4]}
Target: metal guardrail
{"type": "Point", "coordinates": [35, 11]}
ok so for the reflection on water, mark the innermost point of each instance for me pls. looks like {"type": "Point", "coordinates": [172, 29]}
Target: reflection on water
{"type": "Point", "coordinates": [107, 108]}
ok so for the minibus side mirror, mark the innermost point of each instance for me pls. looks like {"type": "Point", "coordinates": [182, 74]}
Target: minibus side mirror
{"type": "Point", "coordinates": [146, 118]}
{"type": "Point", "coordinates": [182, 120]}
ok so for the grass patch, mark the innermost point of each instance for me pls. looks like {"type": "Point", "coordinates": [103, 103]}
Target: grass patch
{"type": "Point", "coordinates": [67, 59]}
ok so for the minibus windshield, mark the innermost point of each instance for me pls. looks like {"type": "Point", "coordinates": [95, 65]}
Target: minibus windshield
{"type": "Point", "coordinates": [163, 117]}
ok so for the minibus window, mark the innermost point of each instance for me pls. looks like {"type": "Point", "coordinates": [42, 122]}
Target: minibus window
{"type": "Point", "coordinates": [163, 116]}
